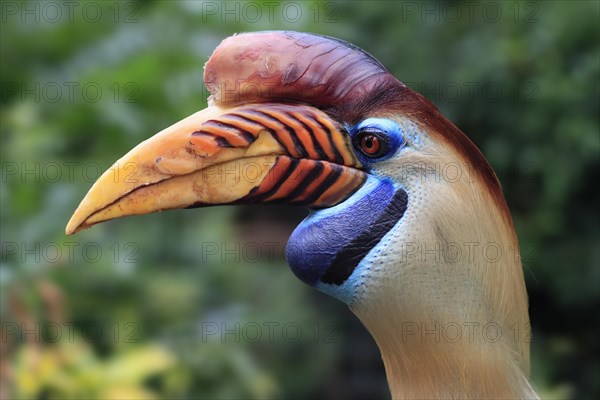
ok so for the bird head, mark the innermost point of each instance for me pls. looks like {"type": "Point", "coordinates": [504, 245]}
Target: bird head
{"type": "Point", "coordinates": [408, 226]}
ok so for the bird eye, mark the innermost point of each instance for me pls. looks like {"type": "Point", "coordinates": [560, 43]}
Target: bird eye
{"type": "Point", "coordinates": [371, 142]}
{"type": "Point", "coordinates": [376, 139]}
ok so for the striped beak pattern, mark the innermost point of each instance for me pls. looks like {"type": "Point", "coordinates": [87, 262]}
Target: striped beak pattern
{"type": "Point", "coordinates": [256, 153]}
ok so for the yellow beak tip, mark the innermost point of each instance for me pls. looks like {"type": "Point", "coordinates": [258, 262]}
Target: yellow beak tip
{"type": "Point", "coordinates": [74, 226]}
{"type": "Point", "coordinates": [69, 230]}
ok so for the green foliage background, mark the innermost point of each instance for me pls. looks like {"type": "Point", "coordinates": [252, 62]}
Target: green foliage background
{"type": "Point", "coordinates": [522, 83]}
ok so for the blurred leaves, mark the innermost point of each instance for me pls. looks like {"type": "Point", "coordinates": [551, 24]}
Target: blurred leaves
{"type": "Point", "coordinates": [71, 370]}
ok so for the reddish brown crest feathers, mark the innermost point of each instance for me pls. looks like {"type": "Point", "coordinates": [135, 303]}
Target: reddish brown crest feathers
{"type": "Point", "coordinates": [335, 76]}
{"type": "Point", "coordinates": [291, 66]}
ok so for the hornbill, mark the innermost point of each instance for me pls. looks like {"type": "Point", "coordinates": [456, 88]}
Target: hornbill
{"type": "Point", "coordinates": [408, 223]}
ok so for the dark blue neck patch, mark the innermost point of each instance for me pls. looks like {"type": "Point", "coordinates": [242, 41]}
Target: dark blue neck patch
{"type": "Point", "coordinates": [328, 245]}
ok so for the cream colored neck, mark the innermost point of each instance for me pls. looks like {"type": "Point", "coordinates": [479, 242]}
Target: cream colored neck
{"type": "Point", "coordinates": [427, 366]}
{"type": "Point", "coordinates": [450, 341]}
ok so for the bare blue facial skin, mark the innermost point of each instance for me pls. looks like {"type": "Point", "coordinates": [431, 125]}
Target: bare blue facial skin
{"type": "Point", "coordinates": [317, 240]}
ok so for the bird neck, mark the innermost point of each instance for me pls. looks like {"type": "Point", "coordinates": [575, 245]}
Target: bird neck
{"type": "Point", "coordinates": [427, 365]}
{"type": "Point", "coordinates": [466, 350]}
{"type": "Point", "coordinates": [450, 327]}
{"type": "Point", "coordinates": [427, 358]}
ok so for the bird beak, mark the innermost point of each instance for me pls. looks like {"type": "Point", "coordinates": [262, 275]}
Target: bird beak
{"type": "Point", "coordinates": [258, 153]}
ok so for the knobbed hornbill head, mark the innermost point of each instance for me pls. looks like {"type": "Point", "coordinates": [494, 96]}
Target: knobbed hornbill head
{"type": "Point", "coordinates": [409, 225]}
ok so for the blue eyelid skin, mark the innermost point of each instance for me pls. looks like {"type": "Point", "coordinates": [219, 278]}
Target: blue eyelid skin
{"type": "Point", "coordinates": [388, 127]}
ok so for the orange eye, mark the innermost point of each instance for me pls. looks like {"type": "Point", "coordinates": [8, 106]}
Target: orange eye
{"type": "Point", "coordinates": [370, 144]}
{"type": "Point", "coordinates": [376, 139]}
